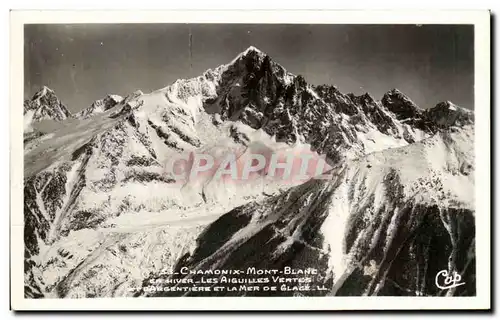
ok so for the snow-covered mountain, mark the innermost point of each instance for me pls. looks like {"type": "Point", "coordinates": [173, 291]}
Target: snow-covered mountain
{"type": "Point", "coordinates": [99, 106]}
{"type": "Point", "coordinates": [102, 214]}
{"type": "Point", "coordinates": [44, 105]}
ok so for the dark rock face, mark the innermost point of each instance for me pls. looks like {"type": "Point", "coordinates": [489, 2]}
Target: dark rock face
{"type": "Point", "coordinates": [376, 114]}
{"type": "Point", "coordinates": [446, 114]}
{"type": "Point", "coordinates": [399, 104]}
{"type": "Point", "coordinates": [261, 94]}
{"type": "Point", "coordinates": [443, 115]}
{"type": "Point", "coordinates": [408, 258]}
{"type": "Point", "coordinates": [430, 249]}
{"type": "Point", "coordinates": [342, 103]}
{"type": "Point", "coordinates": [406, 110]}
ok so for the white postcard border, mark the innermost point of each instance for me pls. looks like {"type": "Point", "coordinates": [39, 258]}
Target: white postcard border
{"type": "Point", "coordinates": [479, 18]}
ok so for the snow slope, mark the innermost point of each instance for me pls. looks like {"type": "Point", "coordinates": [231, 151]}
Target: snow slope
{"type": "Point", "coordinates": [408, 209]}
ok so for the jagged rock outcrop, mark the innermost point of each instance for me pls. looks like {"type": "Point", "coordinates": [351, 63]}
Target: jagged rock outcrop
{"type": "Point", "coordinates": [446, 114]}
{"type": "Point", "coordinates": [45, 105]}
{"type": "Point", "coordinates": [100, 106]}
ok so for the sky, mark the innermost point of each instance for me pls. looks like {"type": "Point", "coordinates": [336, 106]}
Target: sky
{"type": "Point", "coordinates": [83, 63]}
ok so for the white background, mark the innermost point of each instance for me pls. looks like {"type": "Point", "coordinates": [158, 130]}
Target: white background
{"type": "Point", "coordinates": [193, 4]}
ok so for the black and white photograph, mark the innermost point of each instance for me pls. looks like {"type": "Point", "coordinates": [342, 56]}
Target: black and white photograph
{"type": "Point", "coordinates": [292, 160]}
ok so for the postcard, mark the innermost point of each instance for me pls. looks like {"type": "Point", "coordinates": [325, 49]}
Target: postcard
{"type": "Point", "coordinates": [250, 160]}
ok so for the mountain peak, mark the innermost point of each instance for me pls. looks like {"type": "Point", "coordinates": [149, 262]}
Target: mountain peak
{"type": "Point", "coordinates": [42, 92]}
{"type": "Point", "coordinates": [250, 49]}
{"type": "Point", "coordinates": [447, 114]}
{"type": "Point", "coordinates": [45, 105]}
{"type": "Point", "coordinates": [100, 106]}
{"type": "Point", "coordinates": [447, 105]}
{"type": "Point", "coordinates": [398, 103]}
{"type": "Point", "coordinates": [396, 92]}
{"type": "Point", "coordinates": [450, 107]}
